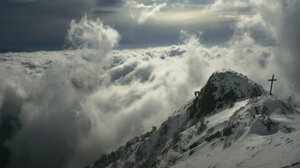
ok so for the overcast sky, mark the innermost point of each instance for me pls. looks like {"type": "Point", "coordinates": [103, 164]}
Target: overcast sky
{"type": "Point", "coordinates": [43, 24]}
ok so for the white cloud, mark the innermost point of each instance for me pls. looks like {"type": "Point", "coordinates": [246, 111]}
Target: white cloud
{"type": "Point", "coordinates": [91, 34]}
{"type": "Point", "coordinates": [142, 12]}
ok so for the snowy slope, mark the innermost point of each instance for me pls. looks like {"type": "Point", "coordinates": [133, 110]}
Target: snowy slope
{"type": "Point", "coordinates": [233, 122]}
{"type": "Point", "coordinates": [264, 132]}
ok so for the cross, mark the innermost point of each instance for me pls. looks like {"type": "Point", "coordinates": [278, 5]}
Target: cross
{"type": "Point", "coordinates": [272, 80]}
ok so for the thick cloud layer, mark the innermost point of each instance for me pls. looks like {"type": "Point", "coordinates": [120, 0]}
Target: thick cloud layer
{"type": "Point", "coordinates": [54, 129]}
{"type": "Point", "coordinates": [74, 105]}
{"type": "Point", "coordinates": [63, 109]}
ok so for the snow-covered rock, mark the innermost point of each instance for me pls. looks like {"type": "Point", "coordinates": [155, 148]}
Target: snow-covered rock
{"type": "Point", "coordinates": [222, 90]}
{"type": "Point", "coordinates": [233, 122]}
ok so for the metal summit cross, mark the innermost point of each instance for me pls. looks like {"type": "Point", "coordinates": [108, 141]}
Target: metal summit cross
{"type": "Point", "coordinates": [272, 80]}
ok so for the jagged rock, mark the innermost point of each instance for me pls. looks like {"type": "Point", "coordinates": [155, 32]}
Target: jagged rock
{"type": "Point", "coordinates": [223, 89]}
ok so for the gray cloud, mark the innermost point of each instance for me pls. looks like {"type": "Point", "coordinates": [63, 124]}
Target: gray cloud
{"type": "Point", "coordinates": [290, 40]}
{"type": "Point", "coordinates": [123, 71]}
{"type": "Point", "coordinates": [10, 108]}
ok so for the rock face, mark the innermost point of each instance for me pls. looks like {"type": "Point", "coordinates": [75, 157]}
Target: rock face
{"type": "Point", "coordinates": [223, 89]}
{"type": "Point", "coordinates": [232, 116]}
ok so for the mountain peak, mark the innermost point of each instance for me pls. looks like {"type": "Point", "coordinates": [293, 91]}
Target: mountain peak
{"type": "Point", "coordinates": [223, 89]}
{"type": "Point", "coordinates": [231, 116]}
{"type": "Point", "coordinates": [240, 86]}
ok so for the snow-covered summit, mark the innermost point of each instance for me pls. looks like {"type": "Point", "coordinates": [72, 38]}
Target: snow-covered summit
{"type": "Point", "coordinates": [231, 123]}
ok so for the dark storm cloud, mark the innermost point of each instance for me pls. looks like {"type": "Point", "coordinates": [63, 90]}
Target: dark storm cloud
{"type": "Point", "coordinates": [112, 3]}
{"type": "Point", "coordinates": [42, 24]}
{"type": "Point", "coordinates": [38, 24]}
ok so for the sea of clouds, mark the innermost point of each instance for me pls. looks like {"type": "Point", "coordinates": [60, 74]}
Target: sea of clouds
{"type": "Point", "coordinates": [66, 108]}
